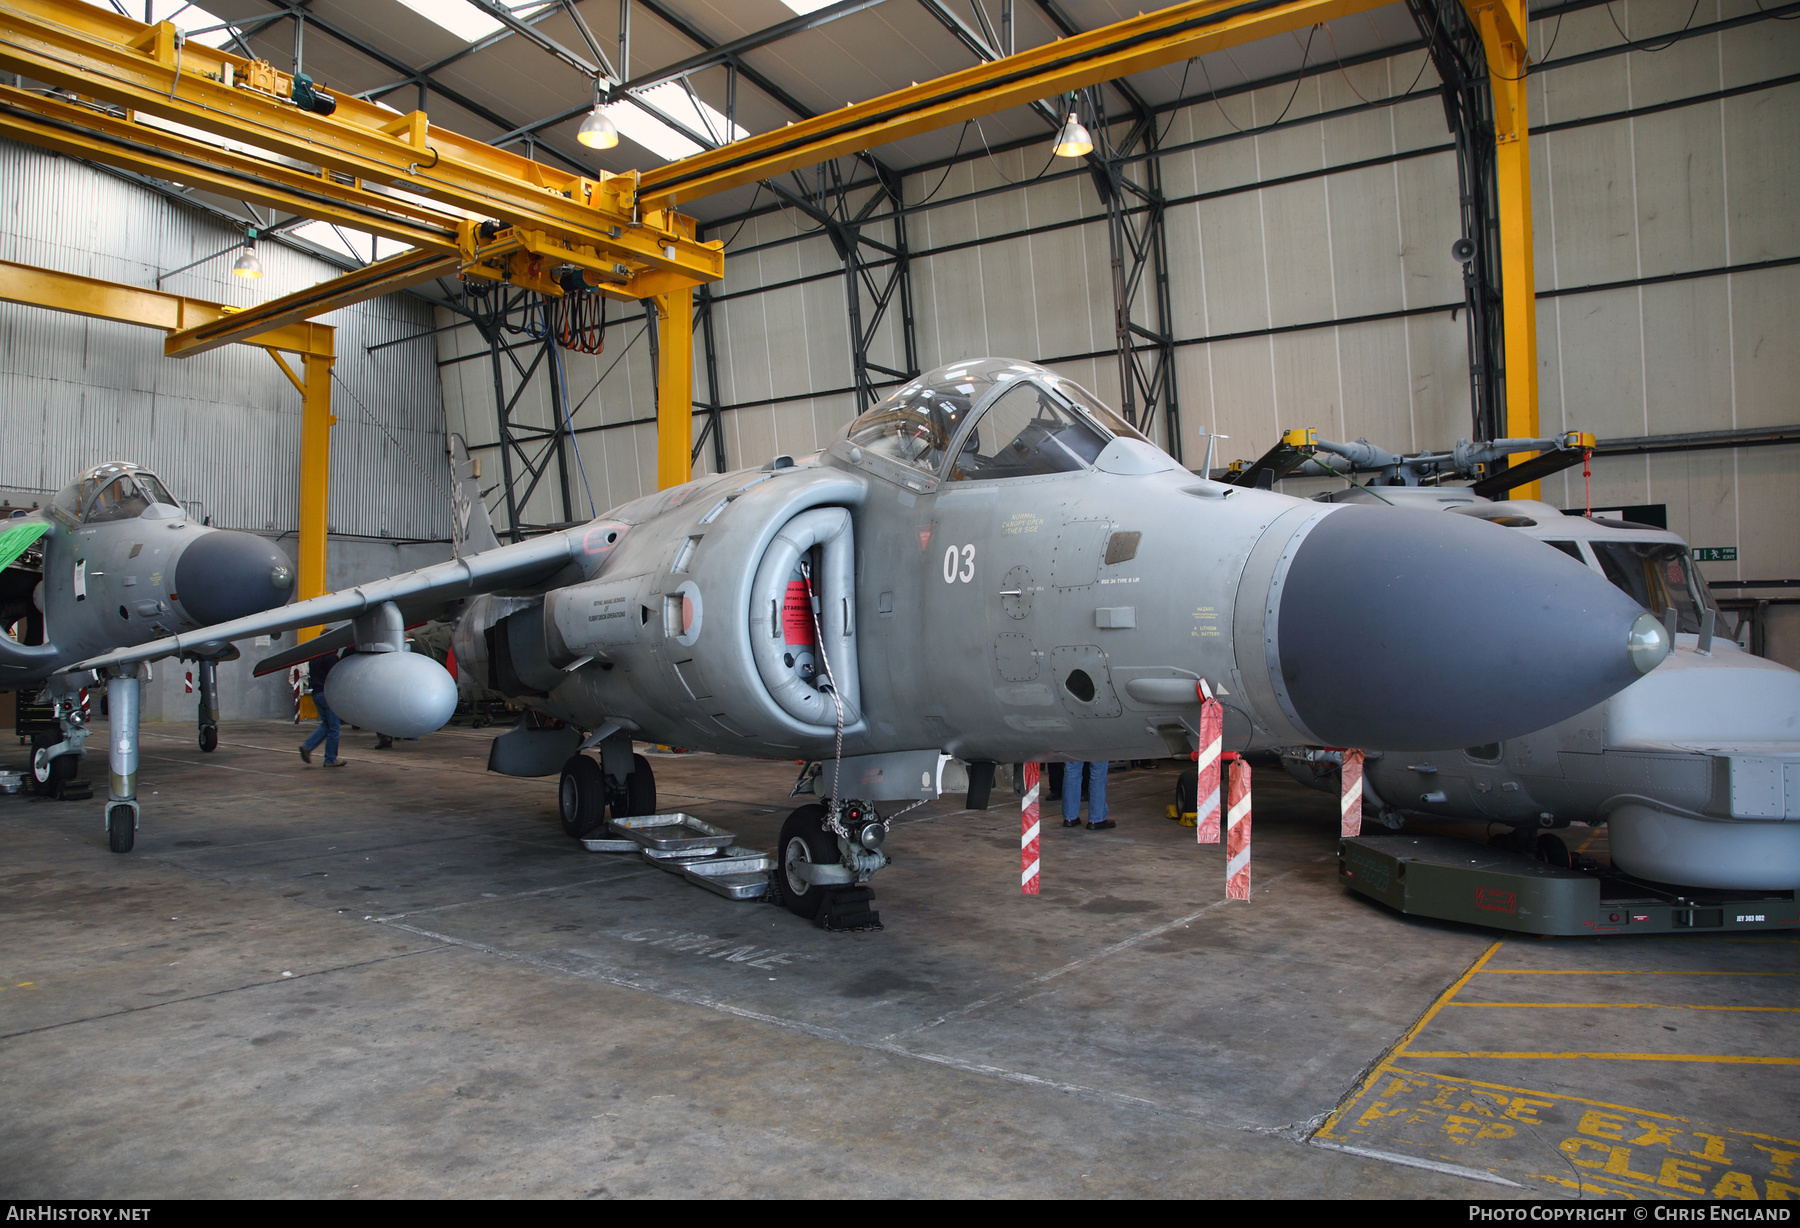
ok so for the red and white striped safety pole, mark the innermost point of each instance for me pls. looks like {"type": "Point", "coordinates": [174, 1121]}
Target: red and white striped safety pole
{"type": "Point", "coordinates": [1028, 833]}
{"type": "Point", "coordinates": [294, 678]}
{"type": "Point", "coordinates": [1350, 799]}
{"type": "Point", "coordinates": [1206, 764]}
{"type": "Point", "coordinates": [86, 711]}
{"type": "Point", "coordinates": [1237, 831]}
{"type": "Point", "coordinates": [187, 683]}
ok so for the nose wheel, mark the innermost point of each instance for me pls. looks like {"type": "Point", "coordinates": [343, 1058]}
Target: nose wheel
{"type": "Point", "coordinates": [49, 771]}
{"type": "Point", "coordinates": [804, 841]}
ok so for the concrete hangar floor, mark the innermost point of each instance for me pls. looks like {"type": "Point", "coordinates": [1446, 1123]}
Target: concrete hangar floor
{"type": "Point", "coordinates": [402, 979]}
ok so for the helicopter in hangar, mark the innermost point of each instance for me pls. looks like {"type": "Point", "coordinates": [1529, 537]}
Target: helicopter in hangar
{"type": "Point", "coordinates": [1694, 768]}
{"type": "Point", "coordinates": [124, 563]}
{"type": "Point", "coordinates": [990, 564]}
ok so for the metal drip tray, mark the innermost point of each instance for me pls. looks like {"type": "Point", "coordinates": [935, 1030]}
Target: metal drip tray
{"type": "Point", "coordinates": [672, 833]}
{"type": "Point", "coordinates": [738, 874]}
{"type": "Point", "coordinates": [611, 846]}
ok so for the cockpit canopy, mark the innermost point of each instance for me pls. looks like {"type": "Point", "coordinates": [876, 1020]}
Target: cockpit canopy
{"type": "Point", "coordinates": [117, 490]}
{"type": "Point", "coordinates": [990, 418]}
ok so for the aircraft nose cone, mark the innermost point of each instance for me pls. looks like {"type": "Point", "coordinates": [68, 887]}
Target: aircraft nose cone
{"type": "Point", "coordinates": [225, 575]}
{"type": "Point", "coordinates": [1401, 629]}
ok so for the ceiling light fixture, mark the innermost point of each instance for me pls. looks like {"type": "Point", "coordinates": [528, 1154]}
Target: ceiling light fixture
{"type": "Point", "coordinates": [597, 130]}
{"type": "Point", "coordinates": [247, 265]}
{"type": "Point", "coordinates": [1073, 141]}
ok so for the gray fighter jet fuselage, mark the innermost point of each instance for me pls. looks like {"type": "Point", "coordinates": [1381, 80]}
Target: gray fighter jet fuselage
{"type": "Point", "coordinates": [124, 564]}
{"type": "Point", "coordinates": [992, 565]}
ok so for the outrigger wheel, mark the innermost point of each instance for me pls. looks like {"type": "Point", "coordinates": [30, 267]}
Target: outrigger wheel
{"type": "Point", "coordinates": [121, 827]}
{"type": "Point", "coordinates": [209, 738]}
{"type": "Point", "coordinates": [803, 838]}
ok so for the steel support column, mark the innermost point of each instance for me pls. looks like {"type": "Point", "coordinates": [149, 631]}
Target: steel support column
{"type": "Point", "coordinates": [674, 313]}
{"type": "Point", "coordinates": [316, 421]}
{"type": "Point", "coordinates": [876, 273]}
{"type": "Point", "coordinates": [1503, 38]}
{"type": "Point", "coordinates": [1138, 243]}
{"type": "Point", "coordinates": [715, 426]}
{"type": "Point", "coordinates": [1456, 52]}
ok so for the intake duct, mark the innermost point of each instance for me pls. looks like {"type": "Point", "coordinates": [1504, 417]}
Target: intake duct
{"type": "Point", "coordinates": [797, 657]}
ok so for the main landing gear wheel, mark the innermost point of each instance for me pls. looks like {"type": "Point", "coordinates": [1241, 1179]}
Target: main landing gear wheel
{"type": "Point", "coordinates": [121, 828]}
{"type": "Point", "coordinates": [581, 798]}
{"type": "Point", "coordinates": [209, 738]}
{"type": "Point", "coordinates": [640, 790]}
{"type": "Point", "coordinates": [803, 839]}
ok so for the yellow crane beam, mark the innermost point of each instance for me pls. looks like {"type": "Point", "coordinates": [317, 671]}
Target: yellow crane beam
{"type": "Point", "coordinates": [358, 153]}
{"type": "Point", "coordinates": [172, 313]}
{"type": "Point", "coordinates": [409, 268]}
{"type": "Point", "coordinates": [1149, 40]}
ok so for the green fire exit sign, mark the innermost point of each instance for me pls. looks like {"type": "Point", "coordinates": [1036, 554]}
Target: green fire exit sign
{"type": "Point", "coordinates": [1715, 554]}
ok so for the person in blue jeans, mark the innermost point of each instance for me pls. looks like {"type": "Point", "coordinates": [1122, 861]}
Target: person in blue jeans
{"type": "Point", "coordinates": [317, 670]}
{"type": "Point", "coordinates": [1096, 791]}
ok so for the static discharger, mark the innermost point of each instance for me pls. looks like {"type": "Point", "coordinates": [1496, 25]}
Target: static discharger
{"type": "Point", "coordinates": [1237, 830]}
{"type": "Point", "coordinates": [1350, 796]}
{"type": "Point", "coordinates": [1028, 833]}
{"type": "Point", "coordinates": [1206, 765]}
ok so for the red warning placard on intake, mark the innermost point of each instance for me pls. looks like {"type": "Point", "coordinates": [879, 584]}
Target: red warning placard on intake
{"type": "Point", "coordinates": [796, 615]}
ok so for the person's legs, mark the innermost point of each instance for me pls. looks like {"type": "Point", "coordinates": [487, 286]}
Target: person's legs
{"type": "Point", "coordinates": [317, 735]}
{"type": "Point", "coordinates": [329, 723]}
{"type": "Point", "coordinates": [1097, 792]}
{"type": "Point", "coordinates": [1071, 793]}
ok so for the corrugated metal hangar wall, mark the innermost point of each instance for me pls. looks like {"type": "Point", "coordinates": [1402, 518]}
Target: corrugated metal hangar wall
{"type": "Point", "coordinates": [1311, 277]}
{"type": "Point", "coordinates": [221, 429]}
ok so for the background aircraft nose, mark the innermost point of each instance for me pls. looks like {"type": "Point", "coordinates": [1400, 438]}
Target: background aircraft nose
{"type": "Point", "coordinates": [1402, 629]}
{"type": "Point", "coordinates": [225, 575]}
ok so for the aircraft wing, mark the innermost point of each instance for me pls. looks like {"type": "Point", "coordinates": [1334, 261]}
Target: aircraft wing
{"type": "Point", "coordinates": [515, 566]}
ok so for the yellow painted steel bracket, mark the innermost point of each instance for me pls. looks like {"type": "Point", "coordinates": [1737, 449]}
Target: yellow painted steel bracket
{"type": "Point", "coordinates": [360, 152]}
{"type": "Point", "coordinates": [172, 313]}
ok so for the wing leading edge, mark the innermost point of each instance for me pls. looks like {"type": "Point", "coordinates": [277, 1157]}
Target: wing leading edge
{"type": "Point", "coordinates": [518, 565]}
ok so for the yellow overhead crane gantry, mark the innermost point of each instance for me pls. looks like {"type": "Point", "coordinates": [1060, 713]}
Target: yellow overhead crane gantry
{"type": "Point", "coordinates": [474, 210]}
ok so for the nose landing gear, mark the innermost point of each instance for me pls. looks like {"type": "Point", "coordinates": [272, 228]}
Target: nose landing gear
{"type": "Point", "coordinates": [822, 869]}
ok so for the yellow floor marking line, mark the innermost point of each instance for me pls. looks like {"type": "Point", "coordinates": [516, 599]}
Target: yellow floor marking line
{"type": "Point", "coordinates": [1406, 1039]}
{"type": "Point", "coordinates": [1631, 1006]}
{"type": "Point", "coordinates": [1559, 1140]}
{"type": "Point", "coordinates": [1612, 1057]}
{"type": "Point", "coordinates": [1621, 972]}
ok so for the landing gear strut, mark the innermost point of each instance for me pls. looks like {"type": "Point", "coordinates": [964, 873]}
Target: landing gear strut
{"type": "Point", "coordinates": [122, 694]}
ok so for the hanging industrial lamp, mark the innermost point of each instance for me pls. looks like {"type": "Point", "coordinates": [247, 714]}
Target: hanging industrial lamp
{"type": "Point", "coordinates": [247, 265]}
{"type": "Point", "coordinates": [1074, 140]}
{"type": "Point", "coordinates": [597, 131]}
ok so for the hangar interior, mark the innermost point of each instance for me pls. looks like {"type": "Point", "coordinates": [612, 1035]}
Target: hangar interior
{"type": "Point", "coordinates": [1261, 240]}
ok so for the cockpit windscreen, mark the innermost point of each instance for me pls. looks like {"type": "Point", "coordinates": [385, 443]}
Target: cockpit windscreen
{"type": "Point", "coordinates": [1656, 575]}
{"type": "Point", "coordinates": [1027, 432]}
{"type": "Point", "coordinates": [916, 424]}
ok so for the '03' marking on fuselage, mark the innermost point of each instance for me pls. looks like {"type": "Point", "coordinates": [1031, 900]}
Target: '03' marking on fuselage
{"type": "Point", "coordinates": [959, 564]}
